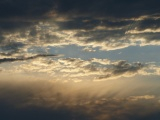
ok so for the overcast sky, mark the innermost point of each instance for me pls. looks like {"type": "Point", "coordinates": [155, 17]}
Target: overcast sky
{"type": "Point", "coordinates": [79, 60]}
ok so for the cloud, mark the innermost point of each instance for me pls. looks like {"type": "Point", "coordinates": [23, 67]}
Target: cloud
{"type": "Point", "coordinates": [107, 24]}
{"type": "Point", "coordinates": [65, 101]}
{"type": "Point", "coordinates": [78, 69]}
{"type": "Point", "coordinates": [14, 9]}
{"type": "Point", "coordinates": [28, 25]}
{"type": "Point", "coordinates": [10, 48]}
{"type": "Point", "coordinates": [122, 68]}
{"type": "Point", "coordinates": [3, 60]}
{"type": "Point", "coordinates": [147, 97]}
{"type": "Point", "coordinates": [109, 8]}
{"type": "Point", "coordinates": [107, 34]}
{"type": "Point", "coordinates": [87, 49]}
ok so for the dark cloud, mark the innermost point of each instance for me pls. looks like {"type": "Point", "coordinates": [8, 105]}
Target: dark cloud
{"type": "Point", "coordinates": [79, 23]}
{"type": "Point", "coordinates": [25, 8]}
{"type": "Point", "coordinates": [152, 24]}
{"type": "Point", "coordinates": [89, 23]}
{"type": "Point", "coordinates": [14, 26]}
{"type": "Point", "coordinates": [3, 60]}
{"type": "Point", "coordinates": [103, 8]}
{"type": "Point", "coordinates": [101, 111]}
{"type": "Point", "coordinates": [11, 48]}
{"type": "Point", "coordinates": [17, 14]}
{"type": "Point", "coordinates": [109, 8]}
{"type": "Point", "coordinates": [105, 20]}
{"type": "Point", "coordinates": [44, 100]}
{"type": "Point", "coordinates": [123, 68]}
{"type": "Point", "coordinates": [41, 113]}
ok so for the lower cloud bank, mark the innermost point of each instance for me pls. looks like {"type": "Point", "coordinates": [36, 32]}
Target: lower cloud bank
{"type": "Point", "coordinates": [48, 100]}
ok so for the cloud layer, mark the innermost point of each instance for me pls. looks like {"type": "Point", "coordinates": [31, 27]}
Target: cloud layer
{"type": "Point", "coordinates": [107, 24]}
{"type": "Point", "coordinates": [39, 99]}
{"type": "Point", "coordinates": [31, 35]}
{"type": "Point", "coordinates": [77, 69]}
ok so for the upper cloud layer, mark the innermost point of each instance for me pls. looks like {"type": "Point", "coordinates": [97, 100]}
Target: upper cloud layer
{"type": "Point", "coordinates": [115, 8]}
{"type": "Point", "coordinates": [108, 24]}
{"type": "Point", "coordinates": [108, 8]}
{"type": "Point", "coordinates": [25, 8]}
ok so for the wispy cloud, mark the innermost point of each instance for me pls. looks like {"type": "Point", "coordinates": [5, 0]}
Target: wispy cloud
{"type": "Point", "coordinates": [3, 60]}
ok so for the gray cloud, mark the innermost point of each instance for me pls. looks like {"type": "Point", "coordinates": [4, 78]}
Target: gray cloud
{"type": "Point", "coordinates": [3, 60]}
{"type": "Point", "coordinates": [122, 68]}
{"type": "Point", "coordinates": [9, 48]}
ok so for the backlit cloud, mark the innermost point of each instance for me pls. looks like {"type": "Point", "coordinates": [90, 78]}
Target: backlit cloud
{"type": "Point", "coordinates": [84, 23]}
{"type": "Point", "coordinates": [93, 69]}
{"type": "Point", "coordinates": [109, 69]}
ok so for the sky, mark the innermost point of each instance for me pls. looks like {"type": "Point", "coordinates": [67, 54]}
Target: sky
{"type": "Point", "coordinates": [79, 60]}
